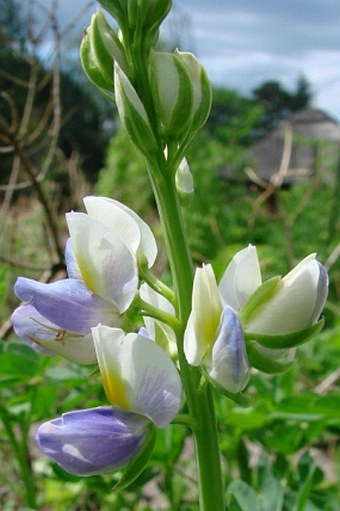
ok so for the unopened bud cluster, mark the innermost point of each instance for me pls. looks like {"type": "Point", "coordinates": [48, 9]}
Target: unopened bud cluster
{"type": "Point", "coordinates": [170, 102]}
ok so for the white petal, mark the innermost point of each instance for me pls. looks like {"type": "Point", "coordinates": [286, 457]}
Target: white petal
{"type": "Point", "coordinates": [158, 331]}
{"type": "Point", "coordinates": [137, 374]}
{"type": "Point", "coordinates": [204, 319]}
{"type": "Point", "coordinates": [107, 266]}
{"type": "Point", "coordinates": [115, 219]}
{"type": "Point", "coordinates": [78, 349]}
{"type": "Point", "coordinates": [146, 240]}
{"type": "Point", "coordinates": [293, 307]}
{"type": "Point", "coordinates": [241, 278]}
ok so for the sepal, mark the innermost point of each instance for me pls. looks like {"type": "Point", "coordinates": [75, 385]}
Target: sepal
{"type": "Point", "coordinates": [135, 468]}
{"type": "Point", "coordinates": [258, 299]}
{"type": "Point", "coordinates": [286, 341]}
{"type": "Point", "coordinates": [239, 398]}
{"type": "Point", "coordinates": [264, 361]}
{"type": "Point", "coordinates": [133, 114]}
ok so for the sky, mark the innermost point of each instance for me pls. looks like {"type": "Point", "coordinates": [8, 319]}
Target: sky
{"type": "Point", "coordinates": [243, 43]}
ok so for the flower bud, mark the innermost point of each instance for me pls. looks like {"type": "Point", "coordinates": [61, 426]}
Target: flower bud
{"type": "Point", "coordinates": [133, 114]}
{"type": "Point", "coordinates": [281, 313]}
{"type": "Point", "coordinates": [296, 302]}
{"type": "Point", "coordinates": [98, 50]}
{"type": "Point", "coordinates": [117, 9]}
{"type": "Point", "coordinates": [228, 366]}
{"type": "Point", "coordinates": [201, 89]}
{"type": "Point", "coordinates": [154, 12]}
{"type": "Point", "coordinates": [142, 16]}
{"type": "Point", "coordinates": [184, 183]}
{"type": "Point", "coordinates": [172, 91]}
{"type": "Point", "coordinates": [147, 14]}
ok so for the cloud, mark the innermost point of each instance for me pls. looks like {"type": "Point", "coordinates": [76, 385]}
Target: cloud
{"type": "Point", "coordinates": [245, 42]}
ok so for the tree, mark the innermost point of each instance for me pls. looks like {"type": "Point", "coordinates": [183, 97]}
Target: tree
{"type": "Point", "coordinates": [278, 102]}
{"type": "Point", "coordinates": [303, 94]}
{"type": "Point", "coordinates": [24, 78]}
{"type": "Point", "coordinates": [12, 25]}
{"type": "Point", "coordinates": [233, 117]}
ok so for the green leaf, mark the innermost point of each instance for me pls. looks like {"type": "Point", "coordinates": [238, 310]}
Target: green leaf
{"type": "Point", "coordinates": [271, 489]}
{"type": "Point", "coordinates": [138, 464]}
{"type": "Point", "coordinates": [310, 408]}
{"type": "Point", "coordinates": [241, 497]}
{"type": "Point", "coordinates": [285, 341]}
{"type": "Point", "coordinates": [307, 466]}
{"type": "Point", "coordinates": [18, 362]}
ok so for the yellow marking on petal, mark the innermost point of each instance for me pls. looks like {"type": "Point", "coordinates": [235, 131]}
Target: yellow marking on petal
{"type": "Point", "coordinates": [115, 389]}
{"type": "Point", "coordinates": [87, 274]}
{"type": "Point", "coordinates": [210, 328]}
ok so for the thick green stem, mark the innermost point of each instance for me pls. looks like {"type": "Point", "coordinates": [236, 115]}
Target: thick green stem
{"type": "Point", "coordinates": [199, 398]}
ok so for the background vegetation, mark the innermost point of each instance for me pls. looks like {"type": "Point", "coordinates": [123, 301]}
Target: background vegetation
{"type": "Point", "coordinates": [59, 142]}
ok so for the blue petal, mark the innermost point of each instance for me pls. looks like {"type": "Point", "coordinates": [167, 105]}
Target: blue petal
{"type": "Point", "coordinates": [66, 303]}
{"type": "Point", "coordinates": [322, 292]}
{"type": "Point", "coordinates": [72, 267]}
{"type": "Point", "coordinates": [88, 442]}
{"type": "Point", "coordinates": [229, 366]}
{"type": "Point", "coordinates": [47, 337]}
{"type": "Point", "coordinates": [28, 324]}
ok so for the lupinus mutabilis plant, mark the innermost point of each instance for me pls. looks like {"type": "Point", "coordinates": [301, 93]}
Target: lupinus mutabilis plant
{"type": "Point", "coordinates": [198, 337]}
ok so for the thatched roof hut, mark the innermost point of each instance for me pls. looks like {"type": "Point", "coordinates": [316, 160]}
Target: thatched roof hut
{"type": "Point", "coordinates": [306, 143]}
